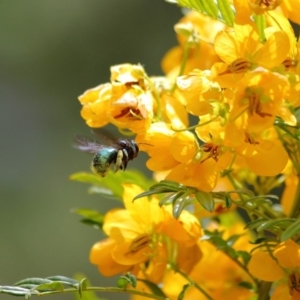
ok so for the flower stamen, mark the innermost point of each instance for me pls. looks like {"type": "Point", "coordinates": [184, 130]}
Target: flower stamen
{"type": "Point", "coordinates": [129, 112]}
{"type": "Point", "coordinates": [212, 150]}
{"type": "Point", "coordinates": [294, 283]}
{"type": "Point", "coordinates": [138, 244]}
{"type": "Point", "coordinates": [240, 65]}
{"type": "Point", "coordinates": [255, 105]}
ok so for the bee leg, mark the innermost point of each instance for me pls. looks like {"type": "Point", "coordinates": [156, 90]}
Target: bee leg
{"type": "Point", "coordinates": [125, 160]}
{"type": "Point", "coordinates": [119, 161]}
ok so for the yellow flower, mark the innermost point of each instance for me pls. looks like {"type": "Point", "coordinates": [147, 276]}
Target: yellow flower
{"type": "Point", "coordinates": [244, 9]}
{"type": "Point", "coordinates": [203, 96]}
{"type": "Point", "coordinates": [259, 98]}
{"type": "Point", "coordinates": [257, 151]}
{"type": "Point", "coordinates": [127, 101]}
{"type": "Point", "coordinates": [198, 31]}
{"type": "Point", "coordinates": [95, 104]}
{"type": "Point", "coordinates": [283, 268]}
{"type": "Point", "coordinates": [138, 235]}
{"type": "Point", "coordinates": [156, 142]}
{"type": "Point", "coordinates": [178, 153]}
{"type": "Point", "coordinates": [216, 273]}
{"type": "Point", "coordinates": [242, 51]}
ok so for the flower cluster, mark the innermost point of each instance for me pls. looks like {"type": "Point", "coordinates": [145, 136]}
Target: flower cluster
{"type": "Point", "coordinates": [222, 119]}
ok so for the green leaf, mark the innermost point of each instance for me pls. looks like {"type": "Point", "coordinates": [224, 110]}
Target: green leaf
{"type": "Point", "coordinates": [14, 290]}
{"type": "Point", "coordinates": [91, 217]}
{"type": "Point", "coordinates": [291, 231]}
{"type": "Point", "coordinates": [84, 282]}
{"type": "Point", "coordinates": [230, 241]}
{"type": "Point", "coordinates": [127, 278]}
{"type": "Point", "coordinates": [52, 286]}
{"type": "Point", "coordinates": [153, 287]}
{"type": "Point", "coordinates": [274, 223]}
{"type": "Point", "coordinates": [246, 284]}
{"type": "Point", "coordinates": [184, 289]}
{"type": "Point", "coordinates": [64, 279]}
{"type": "Point", "coordinates": [210, 8]}
{"type": "Point", "coordinates": [193, 4]}
{"type": "Point", "coordinates": [172, 186]}
{"type": "Point", "coordinates": [258, 241]}
{"type": "Point", "coordinates": [179, 204]}
{"type": "Point", "coordinates": [244, 255]}
{"type": "Point", "coordinates": [228, 201]}
{"type": "Point", "coordinates": [34, 280]}
{"type": "Point", "coordinates": [254, 224]}
{"type": "Point", "coordinates": [86, 178]}
{"type": "Point", "coordinates": [227, 11]}
{"type": "Point", "coordinates": [111, 184]}
{"type": "Point", "coordinates": [206, 200]}
{"type": "Point", "coordinates": [150, 193]}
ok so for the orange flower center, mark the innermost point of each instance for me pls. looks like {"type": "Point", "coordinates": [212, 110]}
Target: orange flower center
{"type": "Point", "coordinates": [138, 244]}
{"type": "Point", "coordinates": [129, 112]}
{"type": "Point", "coordinates": [294, 283]}
{"type": "Point", "coordinates": [255, 106]}
{"type": "Point", "coordinates": [212, 150]}
{"type": "Point", "coordinates": [268, 3]}
{"type": "Point", "coordinates": [240, 65]}
{"type": "Point", "coordinates": [289, 63]}
{"type": "Point", "coordinates": [250, 140]}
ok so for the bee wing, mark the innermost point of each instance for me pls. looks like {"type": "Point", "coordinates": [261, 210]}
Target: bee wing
{"type": "Point", "coordinates": [86, 144]}
{"type": "Point", "coordinates": [106, 137]}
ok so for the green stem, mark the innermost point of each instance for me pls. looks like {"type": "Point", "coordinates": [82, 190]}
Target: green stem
{"type": "Point", "coordinates": [196, 285]}
{"type": "Point", "coordinates": [296, 203]}
{"type": "Point", "coordinates": [264, 290]}
{"type": "Point", "coordinates": [186, 52]}
{"type": "Point", "coordinates": [194, 126]}
{"type": "Point", "coordinates": [103, 289]}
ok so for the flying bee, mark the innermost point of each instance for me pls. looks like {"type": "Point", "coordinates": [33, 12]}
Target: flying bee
{"type": "Point", "coordinates": [118, 153]}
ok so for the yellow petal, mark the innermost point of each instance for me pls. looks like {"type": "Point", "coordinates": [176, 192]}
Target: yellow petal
{"type": "Point", "coordinates": [125, 254]}
{"type": "Point", "coordinates": [262, 266]}
{"type": "Point", "coordinates": [274, 51]}
{"type": "Point", "coordinates": [100, 255]}
{"type": "Point", "coordinates": [281, 292]}
{"type": "Point", "coordinates": [183, 146]}
{"type": "Point", "coordinates": [268, 161]}
{"type": "Point", "coordinates": [288, 254]}
{"type": "Point", "coordinates": [145, 212]}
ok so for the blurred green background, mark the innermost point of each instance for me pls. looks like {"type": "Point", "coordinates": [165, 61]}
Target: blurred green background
{"type": "Point", "coordinates": [51, 52]}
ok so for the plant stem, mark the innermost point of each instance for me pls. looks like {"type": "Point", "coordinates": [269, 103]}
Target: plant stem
{"type": "Point", "coordinates": [264, 290]}
{"type": "Point", "coordinates": [104, 289]}
{"type": "Point", "coordinates": [296, 204]}
{"type": "Point", "coordinates": [196, 285]}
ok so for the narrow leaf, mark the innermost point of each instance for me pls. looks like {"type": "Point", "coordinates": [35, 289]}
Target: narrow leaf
{"type": "Point", "coordinates": [63, 279]}
{"type": "Point", "coordinates": [33, 280]}
{"type": "Point", "coordinates": [14, 290]}
{"type": "Point", "coordinates": [291, 231]}
{"type": "Point", "coordinates": [127, 278]}
{"type": "Point", "coordinates": [178, 206]}
{"type": "Point", "coordinates": [226, 11]}
{"type": "Point", "coordinates": [92, 217]}
{"type": "Point", "coordinates": [206, 200]}
{"type": "Point", "coordinates": [151, 192]}
{"type": "Point", "coordinates": [256, 223]}
{"type": "Point", "coordinates": [154, 288]}
{"type": "Point", "coordinates": [184, 289]}
{"type": "Point", "coordinates": [210, 8]}
{"type": "Point", "coordinates": [52, 286]}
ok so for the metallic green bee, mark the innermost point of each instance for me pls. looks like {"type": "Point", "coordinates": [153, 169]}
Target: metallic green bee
{"type": "Point", "coordinates": [118, 153]}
